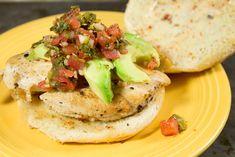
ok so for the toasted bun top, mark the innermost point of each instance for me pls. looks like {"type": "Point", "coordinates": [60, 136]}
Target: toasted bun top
{"type": "Point", "coordinates": [189, 35]}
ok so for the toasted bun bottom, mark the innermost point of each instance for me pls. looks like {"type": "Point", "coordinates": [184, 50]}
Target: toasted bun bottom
{"type": "Point", "coordinates": [65, 129]}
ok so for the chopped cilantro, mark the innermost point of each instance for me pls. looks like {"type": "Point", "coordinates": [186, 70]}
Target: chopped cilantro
{"type": "Point", "coordinates": [59, 27]}
{"type": "Point", "coordinates": [37, 43]}
{"type": "Point", "coordinates": [87, 19]}
{"type": "Point", "coordinates": [87, 49]}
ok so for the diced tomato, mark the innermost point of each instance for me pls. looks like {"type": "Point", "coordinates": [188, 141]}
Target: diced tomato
{"type": "Point", "coordinates": [105, 41]}
{"type": "Point", "coordinates": [42, 86]}
{"type": "Point", "coordinates": [77, 41]}
{"type": "Point", "coordinates": [114, 30]}
{"type": "Point", "coordinates": [69, 49]}
{"type": "Point", "coordinates": [152, 64]}
{"type": "Point", "coordinates": [81, 54]}
{"type": "Point", "coordinates": [169, 127]}
{"type": "Point", "coordinates": [75, 63]}
{"type": "Point", "coordinates": [56, 41]}
{"type": "Point", "coordinates": [86, 32]}
{"type": "Point", "coordinates": [111, 54]}
{"type": "Point", "coordinates": [123, 51]}
{"type": "Point", "coordinates": [74, 23]}
{"type": "Point", "coordinates": [65, 72]}
{"type": "Point", "coordinates": [102, 38]}
{"type": "Point", "coordinates": [65, 84]}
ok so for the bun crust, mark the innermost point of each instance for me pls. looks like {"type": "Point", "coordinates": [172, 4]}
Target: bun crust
{"type": "Point", "coordinates": [190, 36]}
{"type": "Point", "coordinates": [65, 129]}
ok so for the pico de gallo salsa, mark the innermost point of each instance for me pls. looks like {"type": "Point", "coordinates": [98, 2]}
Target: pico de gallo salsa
{"type": "Point", "coordinates": [80, 37]}
{"type": "Point", "coordinates": [173, 126]}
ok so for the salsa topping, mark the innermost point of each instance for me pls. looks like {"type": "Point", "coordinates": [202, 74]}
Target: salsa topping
{"type": "Point", "coordinates": [81, 38]}
{"type": "Point", "coordinates": [174, 125]}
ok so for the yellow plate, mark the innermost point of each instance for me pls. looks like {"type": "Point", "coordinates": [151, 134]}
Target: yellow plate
{"type": "Point", "coordinates": [203, 99]}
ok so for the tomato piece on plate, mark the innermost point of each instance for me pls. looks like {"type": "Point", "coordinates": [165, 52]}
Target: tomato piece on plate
{"type": "Point", "coordinates": [169, 127]}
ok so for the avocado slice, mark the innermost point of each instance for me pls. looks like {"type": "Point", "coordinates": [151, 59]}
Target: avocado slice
{"type": "Point", "coordinates": [141, 50]}
{"type": "Point", "coordinates": [38, 52]}
{"type": "Point", "coordinates": [98, 76]}
{"type": "Point", "coordinates": [128, 71]}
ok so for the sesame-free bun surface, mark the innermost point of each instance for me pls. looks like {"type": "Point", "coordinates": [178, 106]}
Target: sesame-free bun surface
{"type": "Point", "coordinates": [189, 35]}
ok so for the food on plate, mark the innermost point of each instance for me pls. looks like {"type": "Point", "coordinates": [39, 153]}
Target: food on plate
{"type": "Point", "coordinates": [172, 126]}
{"type": "Point", "coordinates": [87, 83]}
{"type": "Point", "coordinates": [189, 35]}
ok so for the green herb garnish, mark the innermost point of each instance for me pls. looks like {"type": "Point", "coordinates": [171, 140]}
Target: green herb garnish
{"type": "Point", "coordinates": [181, 122]}
{"type": "Point", "coordinates": [37, 43]}
{"type": "Point", "coordinates": [87, 19]}
{"type": "Point", "coordinates": [59, 27]}
{"type": "Point", "coordinates": [87, 49]}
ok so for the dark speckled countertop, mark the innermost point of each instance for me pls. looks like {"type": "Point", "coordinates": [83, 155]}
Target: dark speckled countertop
{"type": "Point", "coordinates": [13, 14]}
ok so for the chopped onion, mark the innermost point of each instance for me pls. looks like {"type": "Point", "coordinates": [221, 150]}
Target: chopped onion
{"type": "Point", "coordinates": [75, 74]}
{"type": "Point", "coordinates": [81, 72]}
{"type": "Point", "coordinates": [66, 62]}
{"type": "Point", "coordinates": [71, 34]}
{"type": "Point", "coordinates": [83, 38]}
{"type": "Point", "coordinates": [63, 44]}
{"type": "Point", "coordinates": [99, 26]}
{"type": "Point", "coordinates": [91, 42]}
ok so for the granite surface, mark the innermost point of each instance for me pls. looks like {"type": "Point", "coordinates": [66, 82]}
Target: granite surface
{"type": "Point", "coordinates": [13, 14]}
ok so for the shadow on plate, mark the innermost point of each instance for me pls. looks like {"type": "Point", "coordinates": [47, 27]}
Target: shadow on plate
{"type": "Point", "coordinates": [179, 85]}
{"type": "Point", "coordinates": [5, 95]}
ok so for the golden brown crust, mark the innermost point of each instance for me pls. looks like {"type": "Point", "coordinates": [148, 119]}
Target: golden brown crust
{"type": "Point", "coordinates": [190, 35]}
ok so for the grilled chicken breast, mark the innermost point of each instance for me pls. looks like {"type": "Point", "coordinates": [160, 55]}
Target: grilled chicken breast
{"type": "Point", "coordinates": [20, 75]}
{"type": "Point", "coordinates": [128, 100]}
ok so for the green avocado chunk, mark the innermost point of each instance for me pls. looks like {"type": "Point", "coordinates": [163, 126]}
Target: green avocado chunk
{"type": "Point", "coordinates": [38, 52]}
{"type": "Point", "coordinates": [141, 50]}
{"type": "Point", "coordinates": [128, 71]}
{"type": "Point", "coordinates": [98, 76]}
{"type": "Point", "coordinates": [181, 122]}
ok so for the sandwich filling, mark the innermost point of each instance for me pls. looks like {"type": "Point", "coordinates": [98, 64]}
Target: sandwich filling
{"type": "Point", "coordinates": [87, 70]}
